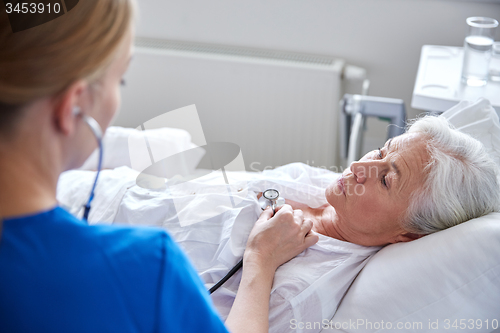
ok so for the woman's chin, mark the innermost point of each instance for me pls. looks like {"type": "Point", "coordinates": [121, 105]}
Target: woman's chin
{"type": "Point", "coordinates": [333, 194]}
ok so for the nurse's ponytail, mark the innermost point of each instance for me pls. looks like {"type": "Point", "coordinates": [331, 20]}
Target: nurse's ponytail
{"type": "Point", "coordinates": [44, 60]}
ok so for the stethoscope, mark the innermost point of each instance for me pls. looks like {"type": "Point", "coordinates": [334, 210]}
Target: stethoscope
{"type": "Point", "coordinates": [270, 197]}
{"type": "Point", "coordinates": [97, 131]}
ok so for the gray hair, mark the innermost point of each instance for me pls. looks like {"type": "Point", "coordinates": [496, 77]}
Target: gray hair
{"type": "Point", "coordinates": [461, 179]}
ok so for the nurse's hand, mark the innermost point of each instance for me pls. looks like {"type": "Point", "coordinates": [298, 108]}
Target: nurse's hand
{"type": "Point", "coordinates": [275, 240]}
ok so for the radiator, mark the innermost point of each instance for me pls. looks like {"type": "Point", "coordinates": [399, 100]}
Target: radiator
{"type": "Point", "coordinates": [279, 107]}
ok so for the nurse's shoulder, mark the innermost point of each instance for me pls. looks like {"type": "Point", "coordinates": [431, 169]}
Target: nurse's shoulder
{"type": "Point", "coordinates": [136, 279]}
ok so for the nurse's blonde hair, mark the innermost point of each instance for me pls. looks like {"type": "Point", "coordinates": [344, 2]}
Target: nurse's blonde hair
{"type": "Point", "coordinates": [45, 60]}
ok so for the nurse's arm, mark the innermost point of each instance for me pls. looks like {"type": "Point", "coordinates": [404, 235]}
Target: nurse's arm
{"type": "Point", "coordinates": [272, 242]}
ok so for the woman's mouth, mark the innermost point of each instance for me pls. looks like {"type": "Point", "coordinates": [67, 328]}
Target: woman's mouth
{"type": "Point", "coordinates": [341, 184]}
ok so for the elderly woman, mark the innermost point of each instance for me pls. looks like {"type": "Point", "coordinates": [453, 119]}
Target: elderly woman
{"type": "Point", "coordinates": [431, 178]}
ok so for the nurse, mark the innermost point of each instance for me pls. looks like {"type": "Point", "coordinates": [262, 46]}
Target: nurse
{"type": "Point", "coordinates": [57, 274]}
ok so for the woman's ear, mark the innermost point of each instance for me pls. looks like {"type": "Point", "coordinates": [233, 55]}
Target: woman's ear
{"type": "Point", "coordinates": [407, 237]}
{"type": "Point", "coordinates": [64, 115]}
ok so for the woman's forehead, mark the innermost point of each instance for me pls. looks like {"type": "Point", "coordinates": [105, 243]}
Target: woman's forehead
{"type": "Point", "coordinates": [407, 141]}
{"type": "Point", "coordinates": [410, 157]}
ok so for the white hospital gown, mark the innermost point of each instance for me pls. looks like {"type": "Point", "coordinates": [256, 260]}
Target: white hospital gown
{"type": "Point", "coordinates": [306, 290]}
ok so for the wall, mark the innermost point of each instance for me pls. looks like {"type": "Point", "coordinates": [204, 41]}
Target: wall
{"type": "Point", "coordinates": [383, 36]}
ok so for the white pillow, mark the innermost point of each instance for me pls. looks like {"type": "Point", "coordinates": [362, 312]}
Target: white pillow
{"type": "Point", "coordinates": [450, 275]}
{"type": "Point", "coordinates": [480, 120]}
{"type": "Point", "coordinates": [127, 147]}
{"type": "Point", "coordinates": [446, 282]}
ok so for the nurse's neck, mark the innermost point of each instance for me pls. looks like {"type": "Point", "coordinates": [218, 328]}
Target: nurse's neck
{"type": "Point", "coordinates": [29, 167]}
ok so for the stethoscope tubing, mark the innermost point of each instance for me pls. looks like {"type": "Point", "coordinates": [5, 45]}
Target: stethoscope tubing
{"type": "Point", "coordinates": [96, 130]}
{"type": "Point", "coordinates": [226, 277]}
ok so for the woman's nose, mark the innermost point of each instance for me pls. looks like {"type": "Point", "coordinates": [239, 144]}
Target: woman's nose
{"type": "Point", "coordinates": [366, 169]}
{"type": "Point", "coordinates": [358, 169]}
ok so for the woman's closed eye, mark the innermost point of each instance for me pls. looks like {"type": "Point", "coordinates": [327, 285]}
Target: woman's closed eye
{"type": "Point", "coordinates": [383, 179]}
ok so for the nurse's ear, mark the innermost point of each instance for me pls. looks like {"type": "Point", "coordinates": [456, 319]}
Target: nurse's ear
{"type": "Point", "coordinates": [64, 115]}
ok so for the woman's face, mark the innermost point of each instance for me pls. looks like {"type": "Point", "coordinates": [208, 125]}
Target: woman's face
{"type": "Point", "coordinates": [102, 101]}
{"type": "Point", "coordinates": [371, 196]}
{"type": "Point", "coordinates": [108, 89]}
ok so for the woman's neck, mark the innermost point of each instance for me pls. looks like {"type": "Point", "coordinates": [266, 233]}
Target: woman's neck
{"type": "Point", "coordinates": [325, 222]}
{"type": "Point", "coordinates": [28, 177]}
{"type": "Point", "coordinates": [324, 218]}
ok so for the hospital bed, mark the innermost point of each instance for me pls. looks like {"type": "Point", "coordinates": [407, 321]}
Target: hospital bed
{"type": "Point", "coordinates": [444, 282]}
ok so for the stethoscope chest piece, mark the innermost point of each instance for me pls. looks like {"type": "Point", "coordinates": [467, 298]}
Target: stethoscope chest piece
{"type": "Point", "coordinates": [271, 197]}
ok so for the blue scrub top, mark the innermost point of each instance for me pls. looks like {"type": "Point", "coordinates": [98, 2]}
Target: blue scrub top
{"type": "Point", "coordinates": [57, 274]}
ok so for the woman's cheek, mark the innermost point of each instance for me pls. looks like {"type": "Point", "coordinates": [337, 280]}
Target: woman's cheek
{"type": "Point", "coordinates": [112, 107]}
{"type": "Point", "coordinates": [332, 194]}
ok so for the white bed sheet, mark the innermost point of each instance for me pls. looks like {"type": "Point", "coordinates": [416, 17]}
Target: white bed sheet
{"type": "Point", "coordinates": [306, 290]}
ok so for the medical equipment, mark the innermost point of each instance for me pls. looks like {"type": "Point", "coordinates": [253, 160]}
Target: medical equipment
{"type": "Point", "coordinates": [96, 130]}
{"type": "Point", "coordinates": [271, 198]}
{"type": "Point", "coordinates": [355, 109]}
